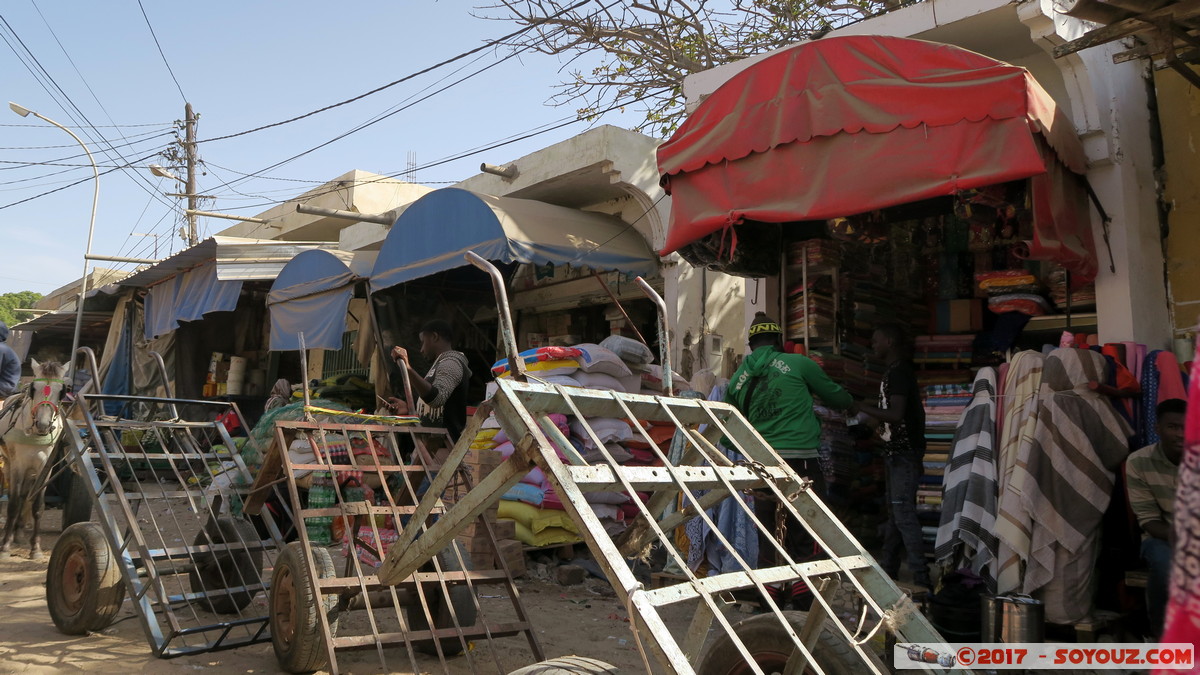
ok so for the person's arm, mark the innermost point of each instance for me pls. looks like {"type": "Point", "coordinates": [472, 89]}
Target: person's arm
{"type": "Point", "coordinates": [446, 378]}
{"type": "Point", "coordinates": [420, 386]}
{"type": "Point", "coordinates": [831, 393]}
{"type": "Point", "coordinates": [1144, 506]}
{"type": "Point", "coordinates": [892, 414]}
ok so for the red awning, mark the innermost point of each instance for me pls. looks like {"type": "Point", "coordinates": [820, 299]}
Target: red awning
{"type": "Point", "coordinates": [847, 125]}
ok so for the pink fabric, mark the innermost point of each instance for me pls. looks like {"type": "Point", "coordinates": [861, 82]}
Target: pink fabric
{"type": "Point", "coordinates": [1183, 608]}
{"type": "Point", "coordinates": [1170, 377]}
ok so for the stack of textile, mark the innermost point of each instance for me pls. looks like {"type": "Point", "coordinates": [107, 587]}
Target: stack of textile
{"type": "Point", "coordinates": [1082, 299]}
{"type": "Point", "coordinates": [814, 309]}
{"type": "Point", "coordinates": [943, 352]}
{"type": "Point", "coordinates": [815, 252]}
{"type": "Point", "coordinates": [1013, 291]}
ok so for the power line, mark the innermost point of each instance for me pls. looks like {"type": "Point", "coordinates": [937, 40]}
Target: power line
{"type": "Point", "coordinates": [539, 131]}
{"type": "Point", "coordinates": [487, 45]}
{"type": "Point", "coordinates": [91, 126]}
{"type": "Point", "coordinates": [160, 51]}
{"type": "Point", "coordinates": [78, 182]}
{"type": "Point", "coordinates": [82, 154]}
{"type": "Point", "coordinates": [376, 120]}
{"type": "Point", "coordinates": [43, 76]}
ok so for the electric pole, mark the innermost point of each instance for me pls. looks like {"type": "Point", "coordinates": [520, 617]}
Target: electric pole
{"type": "Point", "coordinates": [189, 149]}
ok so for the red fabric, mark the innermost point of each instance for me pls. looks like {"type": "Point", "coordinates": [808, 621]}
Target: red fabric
{"type": "Point", "coordinates": [847, 125]}
{"type": "Point", "coordinates": [1183, 607]}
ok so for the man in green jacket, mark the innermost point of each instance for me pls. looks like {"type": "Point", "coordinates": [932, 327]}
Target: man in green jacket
{"type": "Point", "coordinates": [775, 391]}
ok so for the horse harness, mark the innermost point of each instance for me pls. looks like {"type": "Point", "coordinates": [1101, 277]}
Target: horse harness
{"type": "Point", "coordinates": [11, 412]}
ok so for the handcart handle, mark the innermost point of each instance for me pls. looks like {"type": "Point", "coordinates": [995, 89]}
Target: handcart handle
{"type": "Point", "coordinates": [664, 334]}
{"type": "Point", "coordinates": [166, 381]}
{"type": "Point", "coordinates": [516, 365]}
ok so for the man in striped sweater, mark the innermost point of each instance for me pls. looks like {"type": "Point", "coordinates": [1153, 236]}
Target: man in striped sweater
{"type": "Point", "coordinates": [1150, 484]}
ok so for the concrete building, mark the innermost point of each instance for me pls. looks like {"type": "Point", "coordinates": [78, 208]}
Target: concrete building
{"type": "Point", "coordinates": [1111, 108]}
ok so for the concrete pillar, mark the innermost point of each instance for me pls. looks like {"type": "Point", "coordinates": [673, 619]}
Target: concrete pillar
{"type": "Point", "coordinates": [1110, 108]}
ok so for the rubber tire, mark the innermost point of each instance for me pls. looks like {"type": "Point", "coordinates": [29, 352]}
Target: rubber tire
{"type": "Point", "coordinates": [304, 652]}
{"type": "Point", "coordinates": [214, 572]}
{"type": "Point", "coordinates": [568, 665]}
{"type": "Point", "coordinates": [461, 599]}
{"type": "Point", "coordinates": [91, 601]}
{"type": "Point", "coordinates": [77, 501]}
{"type": "Point", "coordinates": [766, 639]}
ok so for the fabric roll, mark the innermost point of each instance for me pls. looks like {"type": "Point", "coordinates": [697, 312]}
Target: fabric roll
{"type": "Point", "coordinates": [965, 536]}
{"type": "Point", "coordinates": [1147, 415]}
{"type": "Point", "coordinates": [1170, 377]}
{"type": "Point", "coordinates": [1020, 414]}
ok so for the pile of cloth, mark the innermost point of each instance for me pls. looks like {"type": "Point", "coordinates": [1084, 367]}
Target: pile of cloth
{"type": "Point", "coordinates": [943, 351]}
{"type": "Point", "coordinates": [1013, 291]}
{"type": "Point", "coordinates": [1083, 298]}
{"type": "Point", "coordinates": [814, 309]}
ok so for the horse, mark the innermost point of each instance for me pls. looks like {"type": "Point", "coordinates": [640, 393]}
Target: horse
{"type": "Point", "coordinates": [30, 426]}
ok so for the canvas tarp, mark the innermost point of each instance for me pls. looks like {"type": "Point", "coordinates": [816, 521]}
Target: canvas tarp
{"type": "Point", "coordinates": [310, 296]}
{"type": "Point", "coordinates": [435, 231]}
{"type": "Point", "coordinates": [846, 125]}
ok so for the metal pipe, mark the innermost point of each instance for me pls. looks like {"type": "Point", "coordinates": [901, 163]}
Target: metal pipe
{"type": "Point", "coordinates": [227, 216]}
{"type": "Point", "coordinates": [516, 365]}
{"type": "Point", "coordinates": [664, 334]}
{"type": "Point", "coordinates": [23, 111]}
{"type": "Point", "coordinates": [166, 381]}
{"type": "Point", "coordinates": [385, 218]}
{"type": "Point", "coordinates": [122, 259]}
{"type": "Point", "coordinates": [510, 172]}
{"type": "Point", "coordinates": [620, 307]}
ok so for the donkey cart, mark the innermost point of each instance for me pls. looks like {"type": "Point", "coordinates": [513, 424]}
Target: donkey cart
{"type": "Point", "coordinates": [420, 559]}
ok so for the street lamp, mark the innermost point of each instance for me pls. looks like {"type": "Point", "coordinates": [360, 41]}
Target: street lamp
{"type": "Point", "coordinates": [25, 112]}
{"type": "Point", "coordinates": [163, 172]}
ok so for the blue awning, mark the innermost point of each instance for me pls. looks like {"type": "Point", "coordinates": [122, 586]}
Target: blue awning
{"type": "Point", "coordinates": [436, 230]}
{"type": "Point", "coordinates": [310, 296]}
{"type": "Point", "coordinates": [187, 297]}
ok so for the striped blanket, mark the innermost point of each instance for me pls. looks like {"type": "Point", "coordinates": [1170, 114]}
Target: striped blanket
{"type": "Point", "coordinates": [965, 536]}
{"type": "Point", "coordinates": [1012, 526]}
{"type": "Point", "coordinates": [1064, 477]}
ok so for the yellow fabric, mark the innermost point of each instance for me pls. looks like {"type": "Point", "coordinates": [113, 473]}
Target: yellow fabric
{"type": "Point", "coordinates": [547, 537]}
{"type": "Point", "coordinates": [541, 366]}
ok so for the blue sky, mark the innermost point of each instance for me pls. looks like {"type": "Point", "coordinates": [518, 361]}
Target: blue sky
{"type": "Point", "coordinates": [242, 65]}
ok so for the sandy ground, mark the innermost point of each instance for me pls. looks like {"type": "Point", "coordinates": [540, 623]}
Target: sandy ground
{"type": "Point", "coordinates": [585, 619]}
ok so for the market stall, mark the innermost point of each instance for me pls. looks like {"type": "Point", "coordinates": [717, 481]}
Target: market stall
{"type": "Point", "coordinates": [865, 180]}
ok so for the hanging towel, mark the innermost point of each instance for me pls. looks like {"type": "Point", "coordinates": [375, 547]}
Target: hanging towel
{"type": "Point", "coordinates": [1012, 528]}
{"type": "Point", "coordinates": [965, 536]}
{"type": "Point", "coordinates": [1064, 476]}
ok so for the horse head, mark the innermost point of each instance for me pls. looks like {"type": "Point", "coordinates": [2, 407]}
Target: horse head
{"type": "Point", "coordinates": [46, 391]}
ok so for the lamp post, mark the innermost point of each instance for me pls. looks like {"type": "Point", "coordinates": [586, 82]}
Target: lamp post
{"type": "Point", "coordinates": [25, 112]}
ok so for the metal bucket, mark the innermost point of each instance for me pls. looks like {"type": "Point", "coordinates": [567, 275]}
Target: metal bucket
{"type": "Point", "coordinates": [1013, 618]}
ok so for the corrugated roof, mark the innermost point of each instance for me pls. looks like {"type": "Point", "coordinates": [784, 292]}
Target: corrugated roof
{"type": "Point", "coordinates": [64, 320]}
{"type": "Point", "coordinates": [237, 258]}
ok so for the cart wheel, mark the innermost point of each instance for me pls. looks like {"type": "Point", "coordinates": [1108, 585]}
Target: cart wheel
{"type": "Point", "coordinates": [461, 600]}
{"type": "Point", "coordinates": [84, 590]}
{"type": "Point", "coordinates": [769, 644]}
{"type": "Point", "coordinates": [295, 625]}
{"type": "Point", "coordinates": [568, 665]}
{"type": "Point", "coordinates": [216, 572]}
{"type": "Point", "coordinates": [77, 504]}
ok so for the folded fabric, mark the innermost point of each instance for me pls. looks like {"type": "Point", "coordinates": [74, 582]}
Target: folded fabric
{"type": "Point", "coordinates": [526, 493]}
{"type": "Point", "coordinates": [606, 429]}
{"type": "Point", "coordinates": [629, 350]}
{"type": "Point", "coordinates": [1025, 303]}
{"type": "Point", "coordinates": [600, 380]}
{"type": "Point", "coordinates": [549, 536]}
{"type": "Point", "coordinates": [997, 278]}
{"type": "Point", "coordinates": [532, 356]}
{"type": "Point", "coordinates": [543, 368]}
{"type": "Point", "coordinates": [597, 359]}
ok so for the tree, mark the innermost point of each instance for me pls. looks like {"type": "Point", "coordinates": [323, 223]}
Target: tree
{"type": "Point", "coordinates": [648, 47]}
{"type": "Point", "coordinates": [11, 302]}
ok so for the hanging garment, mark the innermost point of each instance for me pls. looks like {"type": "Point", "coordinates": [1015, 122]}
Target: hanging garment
{"type": "Point", "coordinates": [1149, 417]}
{"type": "Point", "coordinates": [1012, 529]}
{"type": "Point", "coordinates": [1183, 604]}
{"type": "Point", "coordinates": [1064, 477]}
{"type": "Point", "coordinates": [966, 537]}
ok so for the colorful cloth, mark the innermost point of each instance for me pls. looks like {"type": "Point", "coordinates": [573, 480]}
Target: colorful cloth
{"type": "Point", "coordinates": [1149, 417]}
{"type": "Point", "coordinates": [966, 536]}
{"type": "Point", "coordinates": [1183, 607]}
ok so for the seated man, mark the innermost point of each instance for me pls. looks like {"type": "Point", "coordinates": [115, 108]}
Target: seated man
{"type": "Point", "coordinates": [1150, 483]}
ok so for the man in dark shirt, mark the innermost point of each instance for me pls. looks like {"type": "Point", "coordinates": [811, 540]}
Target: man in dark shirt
{"type": "Point", "coordinates": [903, 432]}
{"type": "Point", "coordinates": [442, 393]}
{"type": "Point", "coordinates": [10, 366]}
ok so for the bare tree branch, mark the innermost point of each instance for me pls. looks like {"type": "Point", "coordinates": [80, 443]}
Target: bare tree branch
{"type": "Point", "coordinates": [647, 47]}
